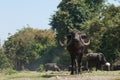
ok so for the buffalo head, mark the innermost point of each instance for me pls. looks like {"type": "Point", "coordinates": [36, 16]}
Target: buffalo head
{"type": "Point", "coordinates": [76, 37]}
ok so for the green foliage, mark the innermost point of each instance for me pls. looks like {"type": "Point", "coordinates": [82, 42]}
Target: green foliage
{"type": "Point", "coordinates": [71, 14]}
{"type": "Point", "coordinates": [27, 45]}
{"type": "Point", "coordinates": [84, 15]}
{"type": "Point", "coordinates": [98, 26]}
{"type": "Point", "coordinates": [52, 55]}
{"type": "Point", "coordinates": [41, 68]}
{"type": "Point", "coordinates": [80, 14]}
{"type": "Point", "coordinates": [4, 61]}
{"type": "Point", "coordinates": [104, 33]}
{"type": "Point", "coordinates": [110, 43]}
{"type": "Point", "coordinates": [111, 16]}
{"type": "Point", "coordinates": [64, 60]}
{"type": "Point", "coordinates": [96, 30]}
{"type": "Point", "coordinates": [8, 71]}
{"type": "Point", "coordinates": [95, 5]}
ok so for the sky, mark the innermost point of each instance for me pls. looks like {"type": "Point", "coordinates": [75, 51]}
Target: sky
{"type": "Point", "coordinates": [16, 14]}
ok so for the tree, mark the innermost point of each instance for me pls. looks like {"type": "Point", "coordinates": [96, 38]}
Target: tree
{"type": "Point", "coordinates": [4, 61]}
{"type": "Point", "coordinates": [71, 14]}
{"type": "Point", "coordinates": [95, 5]}
{"type": "Point", "coordinates": [96, 31]}
{"type": "Point", "coordinates": [110, 44]}
{"type": "Point", "coordinates": [75, 14]}
{"type": "Point", "coordinates": [111, 16]}
{"type": "Point", "coordinates": [108, 18]}
{"type": "Point", "coordinates": [100, 31]}
{"type": "Point", "coordinates": [27, 45]}
{"type": "Point", "coordinates": [110, 40]}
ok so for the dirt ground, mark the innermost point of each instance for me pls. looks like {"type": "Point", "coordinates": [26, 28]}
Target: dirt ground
{"type": "Point", "coordinates": [90, 76]}
{"type": "Point", "coordinates": [95, 75]}
{"type": "Point", "coordinates": [85, 78]}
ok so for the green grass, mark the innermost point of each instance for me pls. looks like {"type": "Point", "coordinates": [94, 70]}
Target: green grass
{"type": "Point", "coordinates": [33, 75]}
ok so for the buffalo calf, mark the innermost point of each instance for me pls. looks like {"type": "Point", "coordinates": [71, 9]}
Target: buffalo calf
{"type": "Point", "coordinates": [51, 67]}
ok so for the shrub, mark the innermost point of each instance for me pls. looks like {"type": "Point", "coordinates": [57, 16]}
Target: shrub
{"type": "Point", "coordinates": [41, 68]}
{"type": "Point", "coordinates": [8, 71]}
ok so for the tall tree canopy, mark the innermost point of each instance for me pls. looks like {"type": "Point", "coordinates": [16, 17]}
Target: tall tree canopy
{"type": "Point", "coordinates": [111, 38]}
{"type": "Point", "coordinates": [27, 45]}
{"type": "Point", "coordinates": [102, 32]}
{"type": "Point", "coordinates": [73, 14]}
{"type": "Point", "coordinates": [110, 43]}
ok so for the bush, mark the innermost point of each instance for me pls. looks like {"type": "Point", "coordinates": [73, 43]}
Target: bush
{"type": "Point", "coordinates": [41, 68]}
{"type": "Point", "coordinates": [8, 71]}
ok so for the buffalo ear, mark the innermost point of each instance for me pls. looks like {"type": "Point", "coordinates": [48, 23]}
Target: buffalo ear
{"type": "Point", "coordinates": [69, 36]}
{"type": "Point", "coordinates": [84, 36]}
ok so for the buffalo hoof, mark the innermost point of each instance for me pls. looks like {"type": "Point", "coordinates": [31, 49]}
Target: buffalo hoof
{"type": "Point", "coordinates": [72, 73]}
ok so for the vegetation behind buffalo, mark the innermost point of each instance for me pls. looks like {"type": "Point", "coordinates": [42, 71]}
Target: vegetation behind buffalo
{"type": "Point", "coordinates": [28, 47]}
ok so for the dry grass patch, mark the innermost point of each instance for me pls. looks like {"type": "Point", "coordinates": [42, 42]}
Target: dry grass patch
{"type": "Point", "coordinates": [63, 75]}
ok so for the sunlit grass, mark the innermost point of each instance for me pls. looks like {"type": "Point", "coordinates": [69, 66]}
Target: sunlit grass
{"type": "Point", "coordinates": [25, 74]}
{"type": "Point", "coordinates": [33, 75]}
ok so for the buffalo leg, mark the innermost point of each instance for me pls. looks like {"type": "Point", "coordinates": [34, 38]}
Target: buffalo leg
{"type": "Point", "coordinates": [89, 66]}
{"type": "Point", "coordinates": [72, 64]}
{"type": "Point", "coordinates": [80, 64]}
{"type": "Point", "coordinates": [76, 65]}
{"type": "Point", "coordinates": [97, 66]}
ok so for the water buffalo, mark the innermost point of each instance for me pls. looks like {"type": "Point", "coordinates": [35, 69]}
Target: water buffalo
{"type": "Point", "coordinates": [98, 60]}
{"type": "Point", "coordinates": [51, 67]}
{"type": "Point", "coordinates": [116, 67]}
{"type": "Point", "coordinates": [116, 64]}
{"type": "Point", "coordinates": [77, 43]}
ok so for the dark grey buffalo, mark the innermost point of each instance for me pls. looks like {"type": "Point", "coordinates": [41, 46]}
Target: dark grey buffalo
{"type": "Point", "coordinates": [98, 60]}
{"type": "Point", "coordinates": [116, 67]}
{"type": "Point", "coordinates": [51, 67]}
{"type": "Point", "coordinates": [77, 43]}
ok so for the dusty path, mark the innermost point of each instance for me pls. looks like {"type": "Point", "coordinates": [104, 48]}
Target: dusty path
{"type": "Point", "coordinates": [62, 75]}
{"type": "Point", "coordinates": [85, 78]}
{"type": "Point", "coordinates": [105, 75]}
